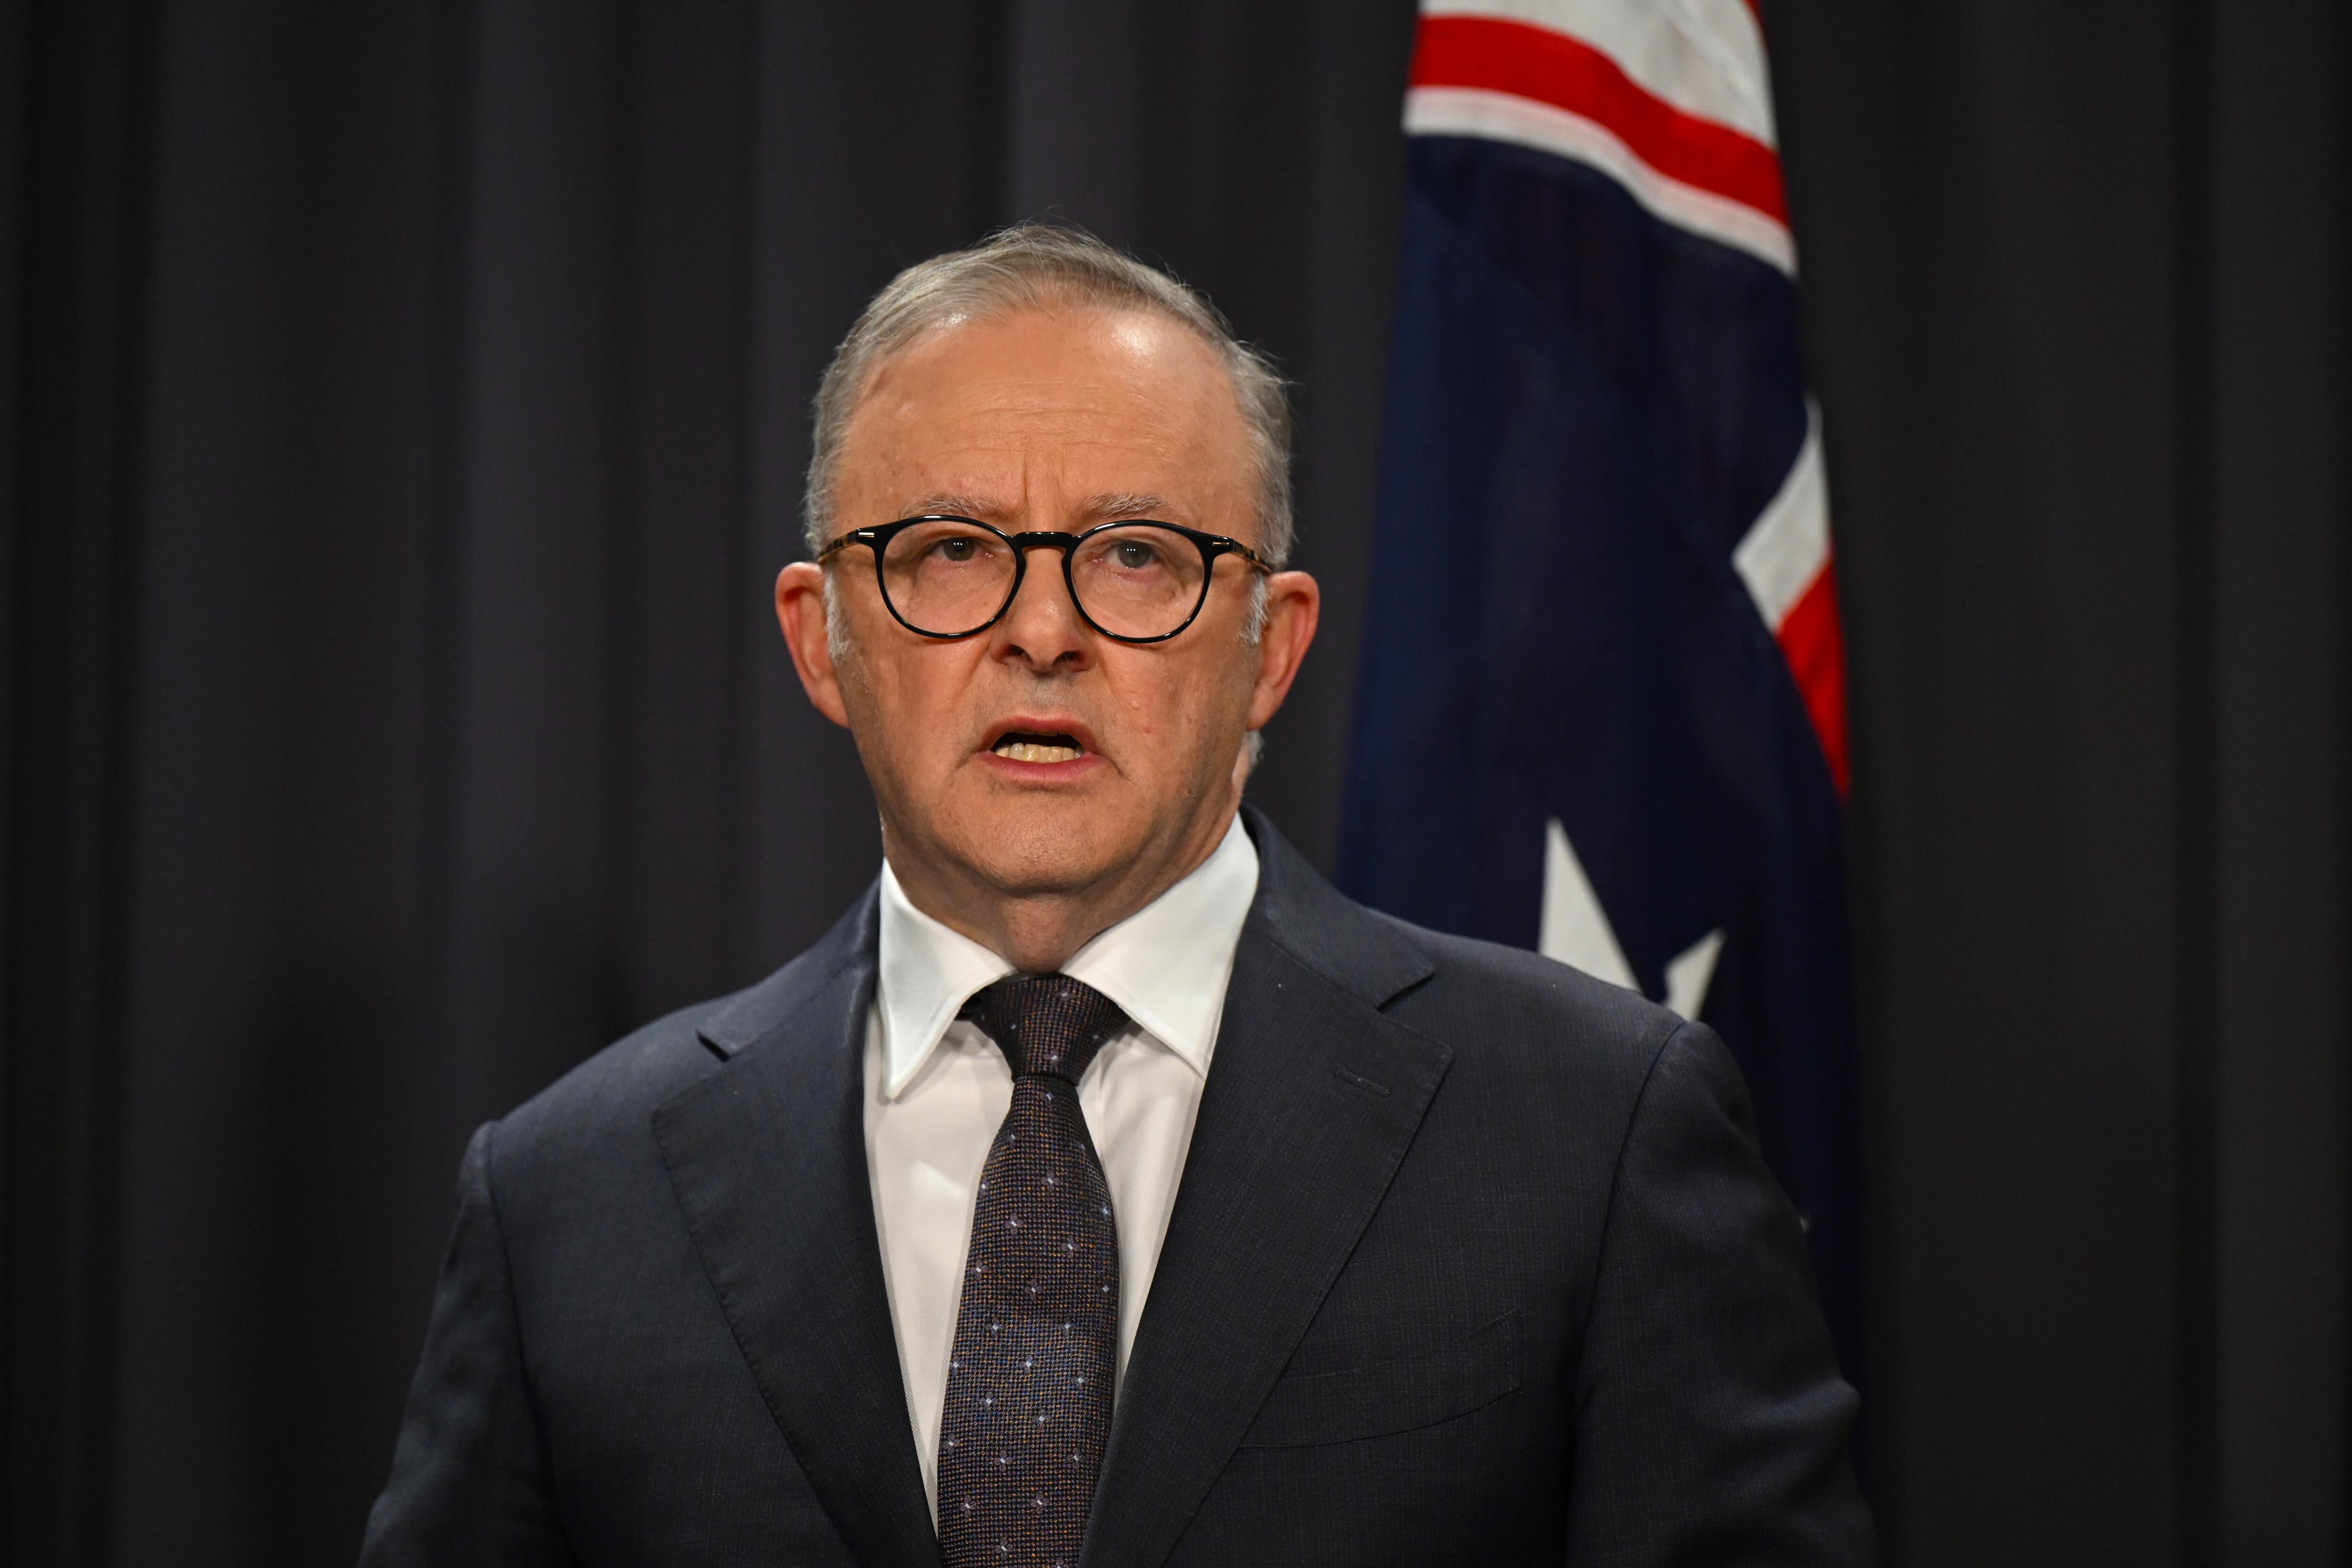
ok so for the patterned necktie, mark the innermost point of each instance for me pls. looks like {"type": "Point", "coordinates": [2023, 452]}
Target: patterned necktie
{"type": "Point", "coordinates": [1036, 1340]}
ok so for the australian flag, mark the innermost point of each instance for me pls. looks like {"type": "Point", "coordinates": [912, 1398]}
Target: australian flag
{"type": "Point", "coordinates": [1601, 709]}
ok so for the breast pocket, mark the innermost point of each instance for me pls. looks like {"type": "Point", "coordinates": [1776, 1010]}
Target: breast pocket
{"type": "Point", "coordinates": [1392, 1397]}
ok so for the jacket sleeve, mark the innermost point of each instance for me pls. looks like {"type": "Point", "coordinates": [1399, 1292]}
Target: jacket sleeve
{"type": "Point", "coordinates": [470, 1478]}
{"type": "Point", "coordinates": [1711, 1422]}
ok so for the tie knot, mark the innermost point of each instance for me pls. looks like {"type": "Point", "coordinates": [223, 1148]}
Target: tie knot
{"type": "Point", "coordinates": [1047, 1025]}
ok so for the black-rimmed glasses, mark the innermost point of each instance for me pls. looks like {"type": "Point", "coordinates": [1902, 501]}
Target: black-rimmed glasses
{"type": "Point", "coordinates": [1137, 582]}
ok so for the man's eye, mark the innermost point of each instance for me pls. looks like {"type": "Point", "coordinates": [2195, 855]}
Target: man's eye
{"type": "Point", "coordinates": [956, 549]}
{"type": "Point", "coordinates": [1133, 557]}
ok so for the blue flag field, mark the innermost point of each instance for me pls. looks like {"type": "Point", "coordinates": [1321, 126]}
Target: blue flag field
{"type": "Point", "coordinates": [1601, 706]}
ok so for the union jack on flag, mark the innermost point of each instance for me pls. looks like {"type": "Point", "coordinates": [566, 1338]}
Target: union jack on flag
{"type": "Point", "coordinates": [1601, 706]}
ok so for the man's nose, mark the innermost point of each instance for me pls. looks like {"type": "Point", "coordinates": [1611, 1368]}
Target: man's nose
{"type": "Point", "coordinates": [1043, 624]}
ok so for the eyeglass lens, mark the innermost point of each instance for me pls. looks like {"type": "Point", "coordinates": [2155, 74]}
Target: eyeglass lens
{"type": "Point", "coordinates": [949, 577]}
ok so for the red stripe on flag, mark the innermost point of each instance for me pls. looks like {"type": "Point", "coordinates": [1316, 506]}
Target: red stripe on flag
{"type": "Point", "coordinates": [1815, 644]}
{"type": "Point", "coordinates": [1552, 68]}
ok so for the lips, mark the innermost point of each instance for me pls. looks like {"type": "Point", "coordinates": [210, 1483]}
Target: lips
{"type": "Point", "coordinates": [1040, 740]}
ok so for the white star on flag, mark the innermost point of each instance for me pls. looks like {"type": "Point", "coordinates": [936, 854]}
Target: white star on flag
{"type": "Point", "coordinates": [1576, 930]}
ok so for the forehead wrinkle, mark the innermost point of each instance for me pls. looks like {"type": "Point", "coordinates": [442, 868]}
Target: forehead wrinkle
{"type": "Point", "coordinates": [997, 506]}
{"type": "Point", "coordinates": [1019, 439]}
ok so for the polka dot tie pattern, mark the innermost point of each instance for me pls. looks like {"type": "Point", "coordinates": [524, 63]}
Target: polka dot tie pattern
{"type": "Point", "coordinates": [1036, 1341]}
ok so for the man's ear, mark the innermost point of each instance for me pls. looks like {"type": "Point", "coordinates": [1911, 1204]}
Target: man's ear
{"type": "Point", "coordinates": [800, 611]}
{"type": "Point", "coordinates": [1294, 603]}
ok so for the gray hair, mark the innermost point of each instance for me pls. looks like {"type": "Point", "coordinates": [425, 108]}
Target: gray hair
{"type": "Point", "coordinates": [1040, 266]}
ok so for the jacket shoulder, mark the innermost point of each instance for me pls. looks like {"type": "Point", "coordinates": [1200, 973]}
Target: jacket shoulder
{"type": "Point", "coordinates": [615, 1091]}
{"type": "Point", "coordinates": [1496, 1006]}
{"type": "Point", "coordinates": [1506, 1004]}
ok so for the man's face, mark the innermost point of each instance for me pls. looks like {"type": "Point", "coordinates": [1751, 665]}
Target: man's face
{"type": "Point", "coordinates": [1039, 757]}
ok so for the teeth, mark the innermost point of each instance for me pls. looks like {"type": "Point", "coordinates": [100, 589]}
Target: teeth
{"type": "Point", "coordinates": [1031, 751]}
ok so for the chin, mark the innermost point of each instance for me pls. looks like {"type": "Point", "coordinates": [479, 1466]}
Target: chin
{"type": "Point", "coordinates": [1044, 848]}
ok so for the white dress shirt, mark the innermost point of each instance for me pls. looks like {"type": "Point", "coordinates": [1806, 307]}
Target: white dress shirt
{"type": "Point", "coordinates": [937, 1089]}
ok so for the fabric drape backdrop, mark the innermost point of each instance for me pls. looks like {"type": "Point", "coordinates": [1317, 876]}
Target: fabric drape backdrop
{"type": "Point", "coordinates": [404, 416]}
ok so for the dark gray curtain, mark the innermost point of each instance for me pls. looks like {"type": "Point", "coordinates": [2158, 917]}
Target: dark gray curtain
{"type": "Point", "coordinates": [2076, 284]}
{"type": "Point", "coordinates": [402, 419]}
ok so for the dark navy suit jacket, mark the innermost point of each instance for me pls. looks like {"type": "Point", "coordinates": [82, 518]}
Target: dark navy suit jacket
{"type": "Point", "coordinates": [1474, 1260]}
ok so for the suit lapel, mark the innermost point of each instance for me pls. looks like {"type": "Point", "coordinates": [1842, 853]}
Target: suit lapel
{"type": "Point", "coordinates": [767, 1158]}
{"type": "Point", "coordinates": [1312, 1099]}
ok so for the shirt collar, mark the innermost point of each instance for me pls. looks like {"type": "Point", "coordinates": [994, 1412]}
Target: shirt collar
{"type": "Point", "coordinates": [1167, 964]}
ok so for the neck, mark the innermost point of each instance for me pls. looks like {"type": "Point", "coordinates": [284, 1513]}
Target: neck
{"type": "Point", "coordinates": [1039, 932]}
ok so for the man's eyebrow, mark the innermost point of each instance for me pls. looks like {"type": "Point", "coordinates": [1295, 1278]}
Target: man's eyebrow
{"type": "Point", "coordinates": [1122, 506]}
{"type": "Point", "coordinates": [949, 504]}
{"type": "Point", "coordinates": [1116, 506]}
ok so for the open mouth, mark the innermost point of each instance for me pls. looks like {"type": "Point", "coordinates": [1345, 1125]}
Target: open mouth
{"type": "Point", "coordinates": [1028, 746]}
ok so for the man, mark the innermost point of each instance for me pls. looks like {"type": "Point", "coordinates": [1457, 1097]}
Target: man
{"type": "Point", "coordinates": [1104, 1187]}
